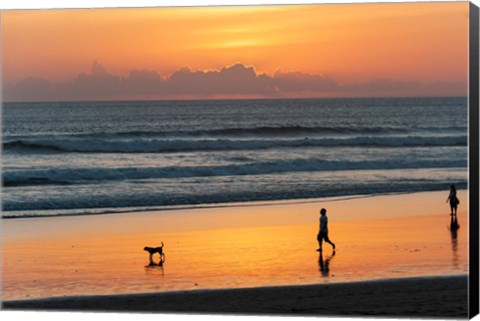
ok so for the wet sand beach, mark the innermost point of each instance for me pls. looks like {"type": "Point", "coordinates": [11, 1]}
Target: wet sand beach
{"type": "Point", "coordinates": [261, 256]}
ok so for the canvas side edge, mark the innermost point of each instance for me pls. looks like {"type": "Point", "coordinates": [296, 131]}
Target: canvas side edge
{"type": "Point", "coordinates": [474, 159]}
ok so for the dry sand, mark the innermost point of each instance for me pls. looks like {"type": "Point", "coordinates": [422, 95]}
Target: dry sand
{"type": "Point", "coordinates": [408, 297]}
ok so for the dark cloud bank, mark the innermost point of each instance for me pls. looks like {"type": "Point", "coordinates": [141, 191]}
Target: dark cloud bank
{"type": "Point", "coordinates": [235, 81]}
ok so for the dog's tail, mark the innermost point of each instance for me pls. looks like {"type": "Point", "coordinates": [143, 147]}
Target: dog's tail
{"type": "Point", "coordinates": [162, 244]}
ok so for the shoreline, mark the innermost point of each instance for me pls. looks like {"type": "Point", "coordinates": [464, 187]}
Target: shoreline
{"type": "Point", "coordinates": [256, 203]}
{"type": "Point", "coordinates": [167, 208]}
{"type": "Point", "coordinates": [432, 296]}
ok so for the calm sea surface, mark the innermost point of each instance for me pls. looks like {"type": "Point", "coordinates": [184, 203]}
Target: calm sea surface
{"type": "Point", "coordinates": [97, 157]}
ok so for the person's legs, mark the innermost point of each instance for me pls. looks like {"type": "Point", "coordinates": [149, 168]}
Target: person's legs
{"type": "Point", "coordinates": [319, 239]}
{"type": "Point", "coordinates": [453, 208]}
{"type": "Point", "coordinates": [328, 241]}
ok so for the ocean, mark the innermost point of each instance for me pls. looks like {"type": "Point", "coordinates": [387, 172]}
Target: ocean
{"type": "Point", "coordinates": [76, 158]}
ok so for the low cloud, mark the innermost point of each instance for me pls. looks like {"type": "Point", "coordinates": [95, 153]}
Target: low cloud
{"type": "Point", "coordinates": [28, 89]}
{"type": "Point", "coordinates": [98, 85]}
{"type": "Point", "coordinates": [141, 84]}
{"type": "Point", "coordinates": [234, 81]}
{"type": "Point", "coordinates": [298, 82]}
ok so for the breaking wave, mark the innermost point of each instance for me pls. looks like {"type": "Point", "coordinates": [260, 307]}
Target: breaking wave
{"type": "Point", "coordinates": [69, 176]}
{"type": "Point", "coordinates": [141, 145]}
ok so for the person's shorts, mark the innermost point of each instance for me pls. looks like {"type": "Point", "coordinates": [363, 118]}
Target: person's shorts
{"type": "Point", "coordinates": [322, 236]}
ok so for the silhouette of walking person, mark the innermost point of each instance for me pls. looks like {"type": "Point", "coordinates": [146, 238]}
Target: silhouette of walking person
{"type": "Point", "coordinates": [323, 232]}
{"type": "Point", "coordinates": [452, 197]}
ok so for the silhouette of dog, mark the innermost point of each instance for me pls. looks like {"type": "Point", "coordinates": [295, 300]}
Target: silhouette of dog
{"type": "Point", "coordinates": [153, 250]}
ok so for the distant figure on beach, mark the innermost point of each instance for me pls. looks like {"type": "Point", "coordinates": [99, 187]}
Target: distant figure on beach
{"type": "Point", "coordinates": [452, 197]}
{"type": "Point", "coordinates": [323, 232]}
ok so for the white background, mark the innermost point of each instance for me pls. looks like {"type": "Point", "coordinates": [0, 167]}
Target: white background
{"type": "Point", "coordinates": [57, 316]}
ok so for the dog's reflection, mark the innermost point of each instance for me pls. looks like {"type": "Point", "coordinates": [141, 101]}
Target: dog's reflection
{"type": "Point", "coordinates": [153, 264]}
{"type": "Point", "coordinates": [324, 264]}
{"type": "Point", "coordinates": [154, 269]}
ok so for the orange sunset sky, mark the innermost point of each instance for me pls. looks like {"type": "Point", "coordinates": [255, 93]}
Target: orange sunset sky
{"type": "Point", "coordinates": [341, 50]}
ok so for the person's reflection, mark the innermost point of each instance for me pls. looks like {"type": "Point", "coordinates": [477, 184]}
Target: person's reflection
{"type": "Point", "coordinates": [453, 232]}
{"type": "Point", "coordinates": [324, 264]}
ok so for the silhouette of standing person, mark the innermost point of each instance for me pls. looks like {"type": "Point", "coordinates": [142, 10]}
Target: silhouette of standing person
{"type": "Point", "coordinates": [323, 232]}
{"type": "Point", "coordinates": [452, 197]}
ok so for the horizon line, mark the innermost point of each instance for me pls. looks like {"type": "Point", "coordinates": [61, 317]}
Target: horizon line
{"type": "Point", "coordinates": [227, 99]}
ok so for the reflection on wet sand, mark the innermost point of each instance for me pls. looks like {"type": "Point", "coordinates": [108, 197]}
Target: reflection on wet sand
{"type": "Point", "coordinates": [324, 264]}
{"type": "Point", "coordinates": [454, 226]}
{"type": "Point", "coordinates": [154, 269]}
